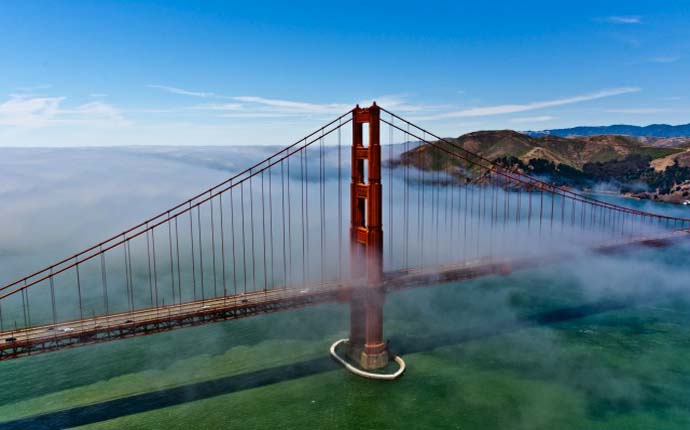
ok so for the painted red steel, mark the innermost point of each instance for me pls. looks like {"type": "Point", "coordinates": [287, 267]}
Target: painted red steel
{"type": "Point", "coordinates": [366, 230]}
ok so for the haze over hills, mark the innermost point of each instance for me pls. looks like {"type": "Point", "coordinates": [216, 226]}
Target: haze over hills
{"type": "Point", "coordinates": [653, 130]}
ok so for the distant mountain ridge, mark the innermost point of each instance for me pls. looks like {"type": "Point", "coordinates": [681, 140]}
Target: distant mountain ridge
{"type": "Point", "coordinates": [653, 130]}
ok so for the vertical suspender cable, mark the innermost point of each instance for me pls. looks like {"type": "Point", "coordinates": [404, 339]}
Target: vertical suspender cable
{"type": "Point", "coordinates": [423, 208]}
{"type": "Point", "coordinates": [52, 295]}
{"type": "Point", "coordinates": [127, 284]}
{"type": "Point", "coordinates": [191, 242]}
{"type": "Point", "coordinates": [305, 187]}
{"type": "Point", "coordinates": [172, 264]}
{"type": "Point", "coordinates": [155, 266]}
{"type": "Point", "coordinates": [270, 223]}
{"type": "Point", "coordinates": [322, 214]}
{"type": "Point", "coordinates": [289, 222]}
{"type": "Point", "coordinates": [148, 263]}
{"type": "Point", "coordinates": [340, 204]}
{"type": "Point", "coordinates": [179, 270]}
{"type": "Point", "coordinates": [244, 245]}
{"type": "Point", "coordinates": [213, 248]}
{"type": "Point", "coordinates": [25, 307]}
{"type": "Point", "coordinates": [282, 208]}
{"type": "Point", "coordinates": [201, 253]}
{"type": "Point", "coordinates": [251, 223]}
{"type": "Point", "coordinates": [131, 277]}
{"type": "Point", "coordinates": [263, 230]}
{"type": "Point", "coordinates": [104, 279]}
{"type": "Point", "coordinates": [390, 192]}
{"type": "Point", "coordinates": [304, 215]}
{"type": "Point", "coordinates": [222, 246]}
{"type": "Point", "coordinates": [232, 236]}
{"type": "Point", "coordinates": [76, 267]}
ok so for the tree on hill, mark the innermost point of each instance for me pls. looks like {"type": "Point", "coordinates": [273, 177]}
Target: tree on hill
{"type": "Point", "coordinates": [628, 169]}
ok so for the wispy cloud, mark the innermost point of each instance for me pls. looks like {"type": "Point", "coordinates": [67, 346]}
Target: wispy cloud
{"type": "Point", "coordinates": [29, 111]}
{"type": "Point", "coordinates": [246, 106]}
{"type": "Point", "coordinates": [516, 108]}
{"type": "Point", "coordinates": [218, 107]}
{"type": "Point", "coordinates": [289, 106]}
{"type": "Point", "coordinates": [663, 59]}
{"type": "Point", "coordinates": [33, 88]}
{"type": "Point", "coordinates": [256, 115]}
{"type": "Point", "coordinates": [183, 92]}
{"type": "Point", "coordinates": [96, 108]}
{"type": "Point", "coordinates": [265, 107]}
{"type": "Point", "coordinates": [623, 19]}
{"type": "Point", "coordinates": [401, 103]}
{"type": "Point", "coordinates": [26, 111]}
{"type": "Point", "coordinates": [532, 119]}
{"type": "Point", "coordinates": [645, 110]}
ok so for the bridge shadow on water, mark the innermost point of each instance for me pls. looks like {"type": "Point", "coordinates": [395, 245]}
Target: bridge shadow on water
{"type": "Point", "coordinates": [89, 414]}
{"type": "Point", "coordinates": [409, 345]}
{"type": "Point", "coordinates": [50, 373]}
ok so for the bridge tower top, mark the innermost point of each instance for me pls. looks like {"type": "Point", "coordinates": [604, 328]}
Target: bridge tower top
{"type": "Point", "coordinates": [366, 199]}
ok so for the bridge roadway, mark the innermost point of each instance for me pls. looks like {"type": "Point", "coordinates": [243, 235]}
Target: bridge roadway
{"type": "Point", "coordinates": [97, 329]}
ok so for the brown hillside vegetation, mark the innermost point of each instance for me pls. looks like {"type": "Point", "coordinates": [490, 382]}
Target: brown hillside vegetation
{"type": "Point", "coordinates": [575, 151]}
{"type": "Point", "coordinates": [683, 159]}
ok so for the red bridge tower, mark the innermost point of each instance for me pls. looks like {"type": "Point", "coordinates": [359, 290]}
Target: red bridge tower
{"type": "Point", "coordinates": [366, 345]}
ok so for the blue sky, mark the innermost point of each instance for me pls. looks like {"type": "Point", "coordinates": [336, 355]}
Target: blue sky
{"type": "Point", "coordinates": [220, 73]}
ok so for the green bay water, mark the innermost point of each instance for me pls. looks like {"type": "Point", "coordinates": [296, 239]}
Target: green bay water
{"type": "Point", "coordinates": [541, 349]}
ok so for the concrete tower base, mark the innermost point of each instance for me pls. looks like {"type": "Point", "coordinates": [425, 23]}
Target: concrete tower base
{"type": "Point", "coordinates": [367, 360]}
{"type": "Point", "coordinates": [365, 373]}
{"type": "Point", "coordinates": [373, 361]}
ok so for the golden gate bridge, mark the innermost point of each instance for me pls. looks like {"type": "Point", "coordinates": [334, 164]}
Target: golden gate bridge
{"type": "Point", "coordinates": [278, 236]}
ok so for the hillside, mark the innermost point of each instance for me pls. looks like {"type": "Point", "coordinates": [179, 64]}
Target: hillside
{"type": "Point", "coordinates": [574, 152]}
{"type": "Point", "coordinates": [636, 168]}
{"type": "Point", "coordinates": [653, 130]}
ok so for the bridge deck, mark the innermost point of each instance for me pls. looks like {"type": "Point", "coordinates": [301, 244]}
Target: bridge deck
{"type": "Point", "coordinates": [44, 338]}
{"type": "Point", "coordinates": [90, 330]}
{"type": "Point", "coordinates": [34, 340]}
